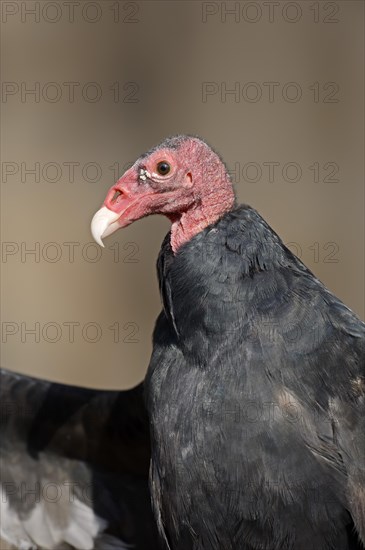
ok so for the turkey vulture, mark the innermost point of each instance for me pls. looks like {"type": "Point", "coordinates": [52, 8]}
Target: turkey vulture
{"type": "Point", "coordinates": [74, 467]}
{"type": "Point", "coordinates": [256, 386]}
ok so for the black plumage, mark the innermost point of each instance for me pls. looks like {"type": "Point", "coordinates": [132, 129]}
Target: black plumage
{"type": "Point", "coordinates": [74, 466]}
{"type": "Point", "coordinates": [256, 396]}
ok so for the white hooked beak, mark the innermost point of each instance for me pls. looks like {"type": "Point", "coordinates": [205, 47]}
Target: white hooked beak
{"type": "Point", "coordinates": [104, 223]}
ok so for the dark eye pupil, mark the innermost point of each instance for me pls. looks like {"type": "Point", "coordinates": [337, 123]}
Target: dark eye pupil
{"type": "Point", "coordinates": [163, 168]}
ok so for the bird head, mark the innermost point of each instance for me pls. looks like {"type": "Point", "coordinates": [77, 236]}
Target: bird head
{"type": "Point", "coordinates": [182, 178]}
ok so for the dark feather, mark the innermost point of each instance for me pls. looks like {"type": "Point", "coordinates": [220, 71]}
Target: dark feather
{"type": "Point", "coordinates": [63, 444]}
{"type": "Point", "coordinates": [256, 396]}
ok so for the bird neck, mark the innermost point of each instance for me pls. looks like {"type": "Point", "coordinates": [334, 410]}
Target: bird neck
{"type": "Point", "coordinates": [204, 212]}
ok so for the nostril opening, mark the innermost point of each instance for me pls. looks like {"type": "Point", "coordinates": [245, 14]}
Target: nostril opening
{"type": "Point", "coordinates": [116, 195]}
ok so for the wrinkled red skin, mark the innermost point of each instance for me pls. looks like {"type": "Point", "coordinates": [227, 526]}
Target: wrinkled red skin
{"type": "Point", "coordinates": [188, 195]}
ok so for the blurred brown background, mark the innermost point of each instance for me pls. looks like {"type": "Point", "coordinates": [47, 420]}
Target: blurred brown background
{"type": "Point", "coordinates": [87, 87]}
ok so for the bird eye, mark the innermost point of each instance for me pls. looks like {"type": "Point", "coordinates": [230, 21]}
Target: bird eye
{"type": "Point", "coordinates": [163, 168]}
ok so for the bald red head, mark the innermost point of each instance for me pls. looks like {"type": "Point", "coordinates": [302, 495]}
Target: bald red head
{"type": "Point", "coordinates": [182, 178]}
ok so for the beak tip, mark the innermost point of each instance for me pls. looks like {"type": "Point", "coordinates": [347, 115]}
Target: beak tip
{"type": "Point", "coordinates": [96, 235]}
{"type": "Point", "coordinates": [103, 219]}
